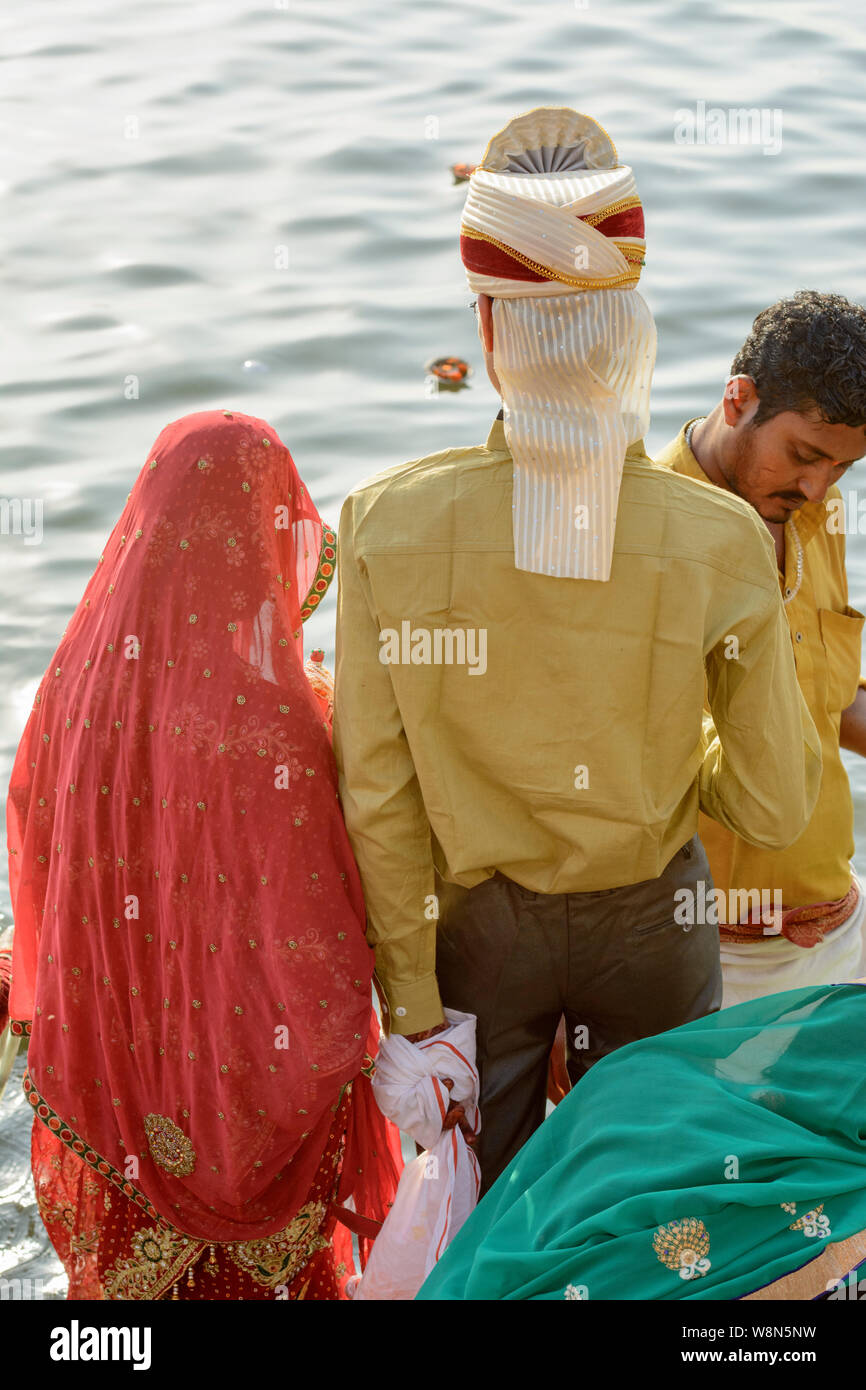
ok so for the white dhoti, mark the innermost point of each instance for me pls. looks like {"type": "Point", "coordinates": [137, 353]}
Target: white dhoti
{"type": "Point", "coordinates": [751, 970]}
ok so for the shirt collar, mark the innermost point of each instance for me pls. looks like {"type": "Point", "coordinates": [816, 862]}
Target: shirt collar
{"type": "Point", "coordinates": [497, 443]}
{"type": "Point", "coordinates": [496, 438]}
{"type": "Point", "coordinates": [809, 519]}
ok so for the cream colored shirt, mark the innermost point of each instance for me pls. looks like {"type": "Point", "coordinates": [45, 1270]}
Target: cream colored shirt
{"type": "Point", "coordinates": [566, 749]}
{"type": "Point", "coordinates": [825, 640]}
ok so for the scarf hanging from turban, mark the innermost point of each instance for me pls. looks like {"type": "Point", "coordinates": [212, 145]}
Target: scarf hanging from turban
{"type": "Point", "coordinates": [553, 231]}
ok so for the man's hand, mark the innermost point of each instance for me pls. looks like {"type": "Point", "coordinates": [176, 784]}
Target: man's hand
{"type": "Point", "coordinates": [456, 1113]}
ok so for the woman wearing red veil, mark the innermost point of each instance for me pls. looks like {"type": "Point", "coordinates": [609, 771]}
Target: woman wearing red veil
{"type": "Point", "coordinates": [189, 955]}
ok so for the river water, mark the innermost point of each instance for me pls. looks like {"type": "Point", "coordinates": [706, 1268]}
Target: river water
{"type": "Point", "coordinates": [249, 205]}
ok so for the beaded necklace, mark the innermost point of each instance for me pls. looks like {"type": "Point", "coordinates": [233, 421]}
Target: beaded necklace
{"type": "Point", "coordinates": [690, 428]}
{"type": "Point", "coordinates": [792, 593]}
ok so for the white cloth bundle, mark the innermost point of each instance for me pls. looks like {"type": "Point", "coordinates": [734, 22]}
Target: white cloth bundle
{"type": "Point", "coordinates": [439, 1189]}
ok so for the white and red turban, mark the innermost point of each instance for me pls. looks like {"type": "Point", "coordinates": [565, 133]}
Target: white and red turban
{"type": "Point", "coordinates": [553, 230]}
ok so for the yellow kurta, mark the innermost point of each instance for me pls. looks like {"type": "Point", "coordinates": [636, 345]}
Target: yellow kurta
{"type": "Point", "coordinates": [825, 639]}
{"type": "Point", "coordinates": [578, 759]}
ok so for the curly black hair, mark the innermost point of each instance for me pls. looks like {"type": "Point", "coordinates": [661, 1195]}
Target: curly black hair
{"type": "Point", "coordinates": [808, 353]}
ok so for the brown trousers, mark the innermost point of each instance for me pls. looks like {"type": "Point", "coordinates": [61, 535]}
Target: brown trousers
{"type": "Point", "coordinates": [613, 962]}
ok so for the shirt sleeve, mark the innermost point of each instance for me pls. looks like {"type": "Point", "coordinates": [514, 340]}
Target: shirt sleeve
{"type": "Point", "coordinates": [382, 804]}
{"type": "Point", "coordinates": [761, 769]}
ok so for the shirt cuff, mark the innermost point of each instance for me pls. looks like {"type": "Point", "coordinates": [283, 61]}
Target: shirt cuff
{"type": "Point", "coordinates": [410, 1008]}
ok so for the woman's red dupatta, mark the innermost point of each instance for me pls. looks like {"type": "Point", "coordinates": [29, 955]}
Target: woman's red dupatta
{"type": "Point", "coordinates": [189, 923]}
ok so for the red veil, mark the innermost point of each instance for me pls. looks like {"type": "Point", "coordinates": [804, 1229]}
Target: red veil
{"type": "Point", "coordinates": [189, 924]}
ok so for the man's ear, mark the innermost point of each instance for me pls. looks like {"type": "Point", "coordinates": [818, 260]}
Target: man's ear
{"type": "Point", "coordinates": [485, 315]}
{"type": "Point", "coordinates": [740, 400]}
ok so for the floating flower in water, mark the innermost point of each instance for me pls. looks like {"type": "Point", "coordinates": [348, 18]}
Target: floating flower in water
{"type": "Point", "coordinates": [450, 372]}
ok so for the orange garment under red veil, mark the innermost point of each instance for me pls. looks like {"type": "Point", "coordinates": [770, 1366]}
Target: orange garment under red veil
{"type": "Point", "coordinates": [189, 947]}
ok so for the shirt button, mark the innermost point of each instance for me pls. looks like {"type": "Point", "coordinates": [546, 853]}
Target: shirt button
{"type": "Point", "coordinates": [401, 1012]}
{"type": "Point", "coordinates": [799, 636]}
{"type": "Point", "coordinates": [789, 593]}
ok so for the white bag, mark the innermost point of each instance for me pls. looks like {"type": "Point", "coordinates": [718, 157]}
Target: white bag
{"type": "Point", "coordinates": [440, 1188]}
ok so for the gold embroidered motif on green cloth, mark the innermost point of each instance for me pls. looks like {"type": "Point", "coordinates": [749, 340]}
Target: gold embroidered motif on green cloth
{"type": "Point", "coordinates": [683, 1247]}
{"type": "Point", "coordinates": [169, 1146]}
{"type": "Point", "coordinates": [276, 1259]}
{"type": "Point", "coordinates": [814, 1224]}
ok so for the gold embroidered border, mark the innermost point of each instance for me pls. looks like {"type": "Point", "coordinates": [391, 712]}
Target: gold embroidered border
{"type": "Point", "coordinates": [141, 1277]}
{"type": "Point", "coordinates": [277, 1259]}
{"type": "Point", "coordinates": [324, 574]}
{"type": "Point", "coordinates": [68, 1136]}
{"type": "Point", "coordinates": [182, 1250]}
{"type": "Point", "coordinates": [627, 277]}
{"type": "Point", "coordinates": [631, 252]}
{"type": "Point", "coordinates": [593, 218]}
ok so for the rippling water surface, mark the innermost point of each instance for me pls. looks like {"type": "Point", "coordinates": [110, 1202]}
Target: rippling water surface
{"type": "Point", "coordinates": [161, 159]}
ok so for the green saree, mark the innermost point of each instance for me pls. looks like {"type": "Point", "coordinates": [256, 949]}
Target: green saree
{"type": "Point", "coordinates": [703, 1163]}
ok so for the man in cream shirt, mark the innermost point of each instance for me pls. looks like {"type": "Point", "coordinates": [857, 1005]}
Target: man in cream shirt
{"type": "Point", "coordinates": [790, 425]}
{"type": "Point", "coordinates": [522, 834]}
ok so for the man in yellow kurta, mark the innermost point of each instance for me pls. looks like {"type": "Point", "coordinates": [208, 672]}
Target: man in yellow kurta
{"type": "Point", "coordinates": [525, 632]}
{"type": "Point", "coordinates": [792, 421]}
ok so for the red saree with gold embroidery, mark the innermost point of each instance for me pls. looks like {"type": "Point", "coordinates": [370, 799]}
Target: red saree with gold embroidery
{"type": "Point", "coordinates": [189, 953]}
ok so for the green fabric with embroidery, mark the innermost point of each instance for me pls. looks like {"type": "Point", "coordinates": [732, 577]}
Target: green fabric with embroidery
{"type": "Point", "coordinates": [703, 1163]}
